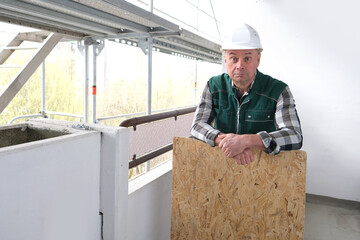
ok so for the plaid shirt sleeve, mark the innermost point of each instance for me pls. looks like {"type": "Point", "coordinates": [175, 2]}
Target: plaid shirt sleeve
{"type": "Point", "coordinates": [202, 125]}
{"type": "Point", "coordinates": [288, 135]}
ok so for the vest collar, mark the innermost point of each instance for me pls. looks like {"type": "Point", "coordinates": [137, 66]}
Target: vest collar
{"type": "Point", "coordinates": [249, 89]}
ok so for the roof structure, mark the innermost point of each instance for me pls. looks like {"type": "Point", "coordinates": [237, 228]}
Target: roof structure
{"type": "Point", "coordinates": [108, 19]}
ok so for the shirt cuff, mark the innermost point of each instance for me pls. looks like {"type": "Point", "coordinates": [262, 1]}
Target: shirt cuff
{"type": "Point", "coordinates": [270, 144]}
{"type": "Point", "coordinates": [210, 137]}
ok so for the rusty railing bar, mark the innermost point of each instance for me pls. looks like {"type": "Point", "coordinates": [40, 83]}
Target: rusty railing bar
{"type": "Point", "coordinates": [155, 117]}
{"type": "Point", "coordinates": [149, 156]}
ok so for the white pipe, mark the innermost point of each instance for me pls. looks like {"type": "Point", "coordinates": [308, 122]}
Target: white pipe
{"type": "Point", "coordinates": [149, 86]}
{"type": "Point", "coordinates": [94, 84]}
{"type": "Point", "coordinates": [151, 6]}
{"type": "Point", "coordinates": [195, 84]}
{"type": "Point", "coordinates": [43, 88]}
{"type": "Point", "coordinates": [86, 85]}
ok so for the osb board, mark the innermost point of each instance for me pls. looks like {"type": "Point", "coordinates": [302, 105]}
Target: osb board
{"type": "Point", "coordinates": [214, 198]}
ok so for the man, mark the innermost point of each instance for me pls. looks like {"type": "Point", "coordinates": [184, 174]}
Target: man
{"type": "Point", "coordinates": [243, 108]}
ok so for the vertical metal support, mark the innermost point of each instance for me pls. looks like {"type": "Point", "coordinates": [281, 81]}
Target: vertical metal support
{"type": "Point", "coordinates": [149, 82]}
{"type": "Point", "coordinates": [86, 85]}
{"type": "Point", "coordinates": [151, 6]}
{"type": "Point", "coordinates": [84, 49]}
{"type": "Point", "coordinates": [94, 85]}
{"type": "Point", "coordinates": [195, 84]}
{"type": "Point", "coordinates": [43, 88]}
{"type": "Point", "coordinates": [97, 48]}
{"type": "Point", "coordinates": [149, 87]}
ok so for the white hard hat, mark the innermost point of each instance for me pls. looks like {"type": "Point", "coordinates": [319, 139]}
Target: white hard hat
{"type": "Point", "coordinates": [242, 37]}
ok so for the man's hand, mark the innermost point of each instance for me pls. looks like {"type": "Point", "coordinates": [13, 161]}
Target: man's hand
{"type": "Point", "coordinates": [245, 157]}
{"type": "Point", "coordinates": [219, 138]}
{"type": "Point", "coordinates": [233, 144]}
{"type": "Point", "coordinates": [238, 146]}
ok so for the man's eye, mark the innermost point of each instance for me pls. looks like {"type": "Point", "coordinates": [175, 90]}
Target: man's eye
{"type": "Point", "coordinates": [234, 59]}
{"type": "Point", "coordinates": [247, 59]}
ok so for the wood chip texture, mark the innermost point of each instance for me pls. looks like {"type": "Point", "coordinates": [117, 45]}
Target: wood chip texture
{"type": "Point", "coordinates": [214, 198]}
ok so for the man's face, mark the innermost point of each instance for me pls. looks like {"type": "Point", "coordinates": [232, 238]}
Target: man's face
{"type": "Point", "coordinates": [241, 66]}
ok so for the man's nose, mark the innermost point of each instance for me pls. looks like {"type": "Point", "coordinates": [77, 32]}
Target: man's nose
{"type": "Point", "coordinates": [240, 64]}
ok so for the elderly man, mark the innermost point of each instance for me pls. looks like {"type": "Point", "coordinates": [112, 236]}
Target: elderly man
{"type": "Point", "coordinates": [244, 108]}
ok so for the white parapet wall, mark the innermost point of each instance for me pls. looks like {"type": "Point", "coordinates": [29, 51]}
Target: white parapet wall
{"type": "Point", "coordinates": [50, 187]}
{"type": "Point", "coordinates": [149, 206]}
{"type": "Point", "coordinates": [114, 167]}
{"type": "Point", "coordinates": [57, 187]}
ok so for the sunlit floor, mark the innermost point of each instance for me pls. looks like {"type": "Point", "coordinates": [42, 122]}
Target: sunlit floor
{"type": "Point", "coordinates": [331, 219]}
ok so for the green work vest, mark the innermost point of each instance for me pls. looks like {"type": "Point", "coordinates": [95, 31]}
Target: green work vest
{"type": "Point", "coordinates": [256, 113]}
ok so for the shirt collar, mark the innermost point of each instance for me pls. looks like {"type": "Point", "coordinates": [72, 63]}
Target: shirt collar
{"type": "Point", "coordinates": [249, 89]}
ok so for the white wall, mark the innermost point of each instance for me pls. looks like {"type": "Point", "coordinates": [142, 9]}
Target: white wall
{"type": "Point", "coordinates": [50, 189]}
{"type": "Point", "coordinates": [114, 167]}
{"type": "Point", "coordinates": [149, 206]}
{"type": "Point", "coordinates": [314, 47]}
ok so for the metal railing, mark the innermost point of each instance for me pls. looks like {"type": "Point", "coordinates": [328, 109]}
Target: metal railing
{"type": "Point", "coordinates": [25, 116]}
{"type": "Point", "coordinates": [137, 113]}
{"type": "Point", "coordinates": [133, 122]}
{"type": "Point", "coordinates": [47, 114]}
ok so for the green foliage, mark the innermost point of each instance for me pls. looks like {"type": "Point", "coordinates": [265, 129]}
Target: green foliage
{"type": "Point", "coordinates": [62, 93]}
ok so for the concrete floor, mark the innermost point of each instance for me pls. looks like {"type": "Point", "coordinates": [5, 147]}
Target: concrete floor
{"type": "Point", "coordinates": [331, 219]}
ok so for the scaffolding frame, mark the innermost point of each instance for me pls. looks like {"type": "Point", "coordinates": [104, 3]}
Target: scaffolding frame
{"type": "Point", "coordinates": [91, 22]}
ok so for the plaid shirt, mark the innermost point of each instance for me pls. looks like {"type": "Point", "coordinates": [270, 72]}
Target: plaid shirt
{"type": "Point", "coordinates": [288, 135]}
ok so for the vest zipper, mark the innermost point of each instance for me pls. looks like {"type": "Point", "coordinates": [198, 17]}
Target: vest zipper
{"type": "Point", "coordinates": [238, 112]}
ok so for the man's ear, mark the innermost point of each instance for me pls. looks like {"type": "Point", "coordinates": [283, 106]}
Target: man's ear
{"type": "Point", "coordinates": [258, 58]}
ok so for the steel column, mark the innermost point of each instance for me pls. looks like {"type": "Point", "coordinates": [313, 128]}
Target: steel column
{"type": "Point", "coordinates": [94, 86]}
{"type": "Point", "coordinates": [195, 84]}
{"type": "Point", "coordinates": [86, 85]}
{"type": "Point", "coordinates": [43, 89]}
{"type": "Point", "coordinates": [149, 87]}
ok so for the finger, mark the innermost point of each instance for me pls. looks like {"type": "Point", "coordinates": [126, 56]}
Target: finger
{"type": "Point", "coordinates": [250, 155]}
{"type": "Point", "coordinates": [229, 153]}
{"type": "Point", "coordinates": [222, 135]}
{"type": "Point", "coordinates": [237, 160]}
{"type": "Point", "coordinates": [221, 144]}
{"type": "Point", "coordinates": [243, 159]}
{"type": "Point", "coordinates": [252, 158]}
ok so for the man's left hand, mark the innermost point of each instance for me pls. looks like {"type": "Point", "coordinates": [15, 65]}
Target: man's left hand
{"type": "Point", "coordinates": [245, 157]}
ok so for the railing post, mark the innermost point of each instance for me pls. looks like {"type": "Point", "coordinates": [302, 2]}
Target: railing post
{"type": "Point", "coordinates": [149, 87]}
{"type": "Point", "coordinates": [43, 89]}
{"type": "Point", "coordinates": [86, 86]}
{"type": "Point", "coordinates": [195, 84]}
{"type": "Point", "coordinates": [84, 49]}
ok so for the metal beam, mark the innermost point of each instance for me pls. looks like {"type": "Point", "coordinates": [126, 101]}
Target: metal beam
{"type": "Point", "coordinates": [108, 19]}
{"type": "Point", "coordinates": [90, 14]}
{"type": "Point", "coordinates": [17, 20]}
{"type": "Point", "coordinates": [19, 81]}
{"type": "Point", "coordinates": [5, 54]}
{"type": "Point", "coordinates": [41, 15]}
